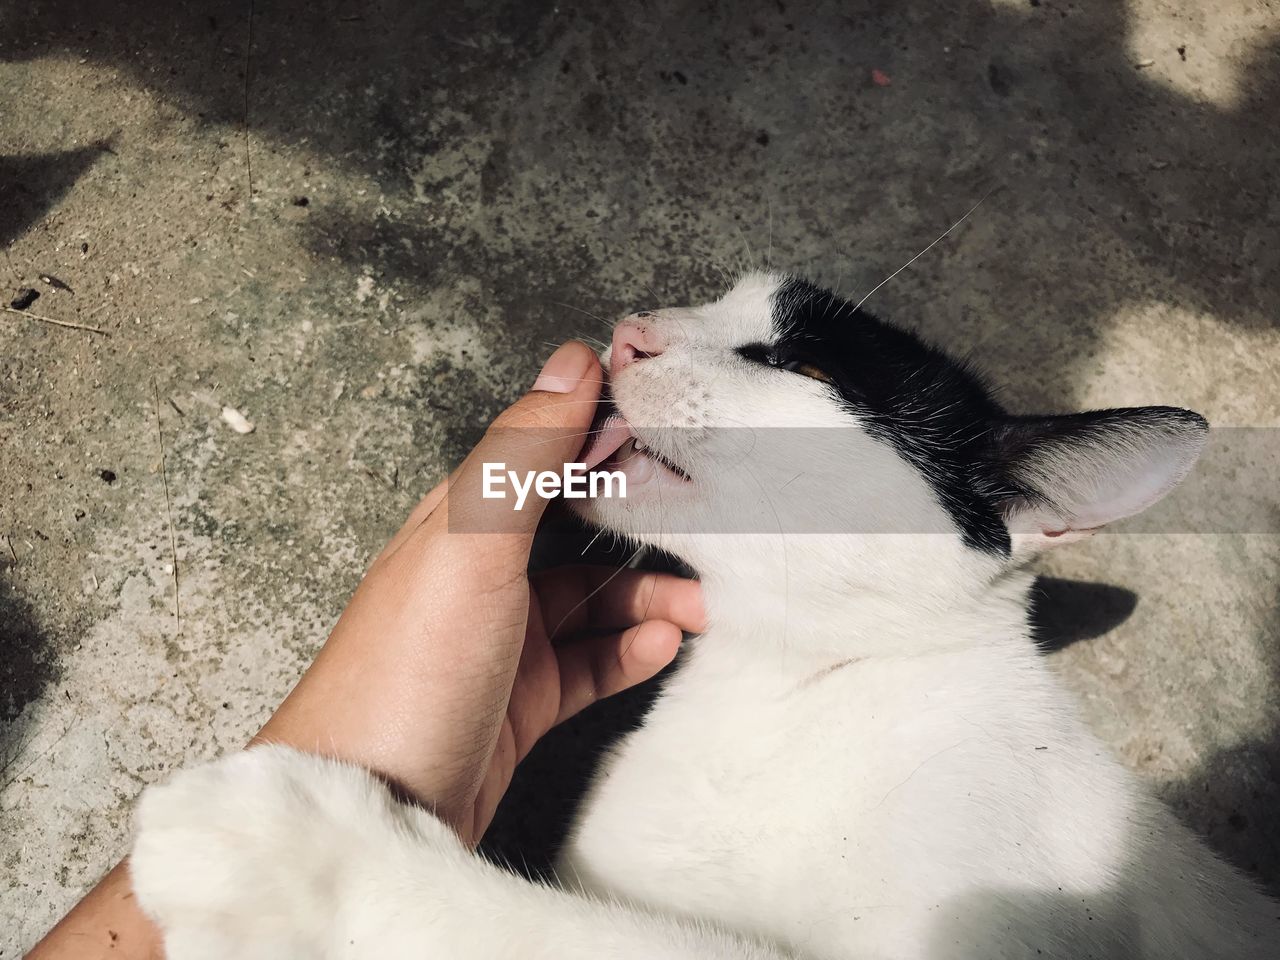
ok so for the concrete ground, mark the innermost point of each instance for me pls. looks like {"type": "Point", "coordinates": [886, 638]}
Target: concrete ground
{"type": "Point", "coordinates": [362, 224]}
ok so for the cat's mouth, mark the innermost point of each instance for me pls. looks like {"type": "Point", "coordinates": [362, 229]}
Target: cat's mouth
{"type": "Point", "coordinates": [615, 445]}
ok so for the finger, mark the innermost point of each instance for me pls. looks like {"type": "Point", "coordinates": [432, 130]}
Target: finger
{"type": "Point", "coordinates": [497, 778]}
{"type": "Point", "coordinates": [535, 695]}
{"type": "Point", "coordinates": [593, 669]}
{"type": "Point", "coordinates": [542, 431]}
{"type": "Point", "coordinates": [580, 597]}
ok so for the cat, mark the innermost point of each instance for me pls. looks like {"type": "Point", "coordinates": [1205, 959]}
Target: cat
{"type": "Point", "coordinates": [863, 757]}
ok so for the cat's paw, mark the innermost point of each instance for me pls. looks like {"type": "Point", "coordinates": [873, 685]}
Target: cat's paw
{"type": "Point", "coordinates": [252, 855]}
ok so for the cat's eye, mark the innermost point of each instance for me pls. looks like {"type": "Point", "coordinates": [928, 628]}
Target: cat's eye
{"type": "Point", "coordinates": [806, 369]}
{"type": "Point", "coordinates": [766, 356]}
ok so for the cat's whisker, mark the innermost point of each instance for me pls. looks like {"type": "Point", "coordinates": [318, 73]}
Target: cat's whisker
{"type": "Point", "coordinates": [750, 262]}
{"type": "Point", "coordinates": [726, 277]}
{"type": "Point", "coordinates": [558, 439]}
{"type": "Point", "coordinates": [786, 562]}
{"type": "Point", "coordinates": [768, 258]}
{"type": "Point", "coordinates": [585, 313]}
{"type": "Point", "coordinates": [579, 605]}
{"type": "Point", "coordinates": [936, 241]}
{"type": "Point", "coordinates": [592, 542]}
{"type": "Point", "coordinates": [590, 341]}
{"type": "Point", "coordinates": [645, 616]}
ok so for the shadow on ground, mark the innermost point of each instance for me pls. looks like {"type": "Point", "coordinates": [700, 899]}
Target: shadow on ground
{"type": "Point", "coordinates": [32, 184]}
{"type": "Point", "coordinates": [708, 107]}
{"type": "Point", "coordinates": [1064, 612]}
{"type": "Point", "coordinates": [27, 666]}
{"type": "Point", "coordinates": [1233, 795]}
{"type": "Point", "coordinates": [1239, 788]}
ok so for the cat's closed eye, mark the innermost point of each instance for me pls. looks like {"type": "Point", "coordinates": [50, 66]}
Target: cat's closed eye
{"type": "Point", "coordinates": [806, 369]}
{"type": "Point", "coordinates": [758, 353]}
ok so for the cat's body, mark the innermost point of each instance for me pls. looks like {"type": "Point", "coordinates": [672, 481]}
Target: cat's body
{"type": "Point", "coordinates": [864, 757]}
{"type": "Point", "coordinates": [890, 807]}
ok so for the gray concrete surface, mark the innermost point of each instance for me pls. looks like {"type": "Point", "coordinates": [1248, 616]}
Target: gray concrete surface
{"type": "Point", "coordinates": [481, 178]}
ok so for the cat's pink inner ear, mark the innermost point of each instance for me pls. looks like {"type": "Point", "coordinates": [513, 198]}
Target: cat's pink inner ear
{"type": "Point", "coordinates": [1091, 470]}
{"type": "Point", "coordinates": [1035, 530]}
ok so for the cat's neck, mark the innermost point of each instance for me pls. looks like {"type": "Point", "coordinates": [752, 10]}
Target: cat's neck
{"type": "Point", "coordinates": [866, 623]}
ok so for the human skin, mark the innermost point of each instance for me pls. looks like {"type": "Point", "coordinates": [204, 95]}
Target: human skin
{"type": "Point", "coordinates": [441, 673]}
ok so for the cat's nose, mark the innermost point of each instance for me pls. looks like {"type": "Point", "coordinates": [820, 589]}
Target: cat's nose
{"type": "Point", "coordinates": [635, 338]}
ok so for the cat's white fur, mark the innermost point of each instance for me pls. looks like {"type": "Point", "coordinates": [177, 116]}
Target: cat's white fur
{"type": "Point", "coordinates": [863, 757]}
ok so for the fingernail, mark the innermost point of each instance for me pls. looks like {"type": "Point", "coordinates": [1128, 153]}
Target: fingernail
{"type": "Point", "coordinates": [564, 369]}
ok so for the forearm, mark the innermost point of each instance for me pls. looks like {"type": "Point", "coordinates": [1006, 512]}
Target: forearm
{"type": "Point", "coordinates": [106, 923]}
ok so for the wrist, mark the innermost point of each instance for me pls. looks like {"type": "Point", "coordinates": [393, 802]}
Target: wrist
{"type": "Point", "coordinates": [107, 923]}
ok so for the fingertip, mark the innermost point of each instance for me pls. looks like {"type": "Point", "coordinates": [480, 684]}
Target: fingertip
{"type": "Point", "coordinates": [567, 369]}
{"type": "Point", "coordinates": [561, 397]}
{"type": "Point", "coordinates": [688, 609]}
{"type": "Point", "coordinates": [654, 645]}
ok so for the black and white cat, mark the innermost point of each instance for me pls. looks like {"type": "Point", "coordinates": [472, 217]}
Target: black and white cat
{"type": "Point", "coordinates": [863, 757]}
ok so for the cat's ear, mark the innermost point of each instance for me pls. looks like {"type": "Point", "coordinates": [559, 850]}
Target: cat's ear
{"type": "Point", "coordinates": [1064, 478]}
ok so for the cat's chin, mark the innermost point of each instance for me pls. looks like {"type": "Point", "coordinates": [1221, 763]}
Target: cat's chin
{"type": "Point", "coordinates": [619, 447]}
{"type": "Point", "coordinates": [634, 525]}
{"type": "Point", "coordinates": [611, 520]}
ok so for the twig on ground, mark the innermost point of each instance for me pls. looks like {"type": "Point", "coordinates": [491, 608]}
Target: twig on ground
{"type": "Point", "coordinates": [57, 323]}
{"type": "Point", "coordinates": [34, 760]}
{"type": "Point", "coordinates": [248, 63]}
{"type": "Point", "coordinates": [168, 506]}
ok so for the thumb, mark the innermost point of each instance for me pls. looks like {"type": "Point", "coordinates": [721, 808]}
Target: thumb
{"type": "Point", "coordinates": [542, 431]}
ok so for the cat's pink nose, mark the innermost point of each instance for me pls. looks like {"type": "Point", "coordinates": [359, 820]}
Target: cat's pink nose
{"type": "Point", "coordinates": [635, 338]}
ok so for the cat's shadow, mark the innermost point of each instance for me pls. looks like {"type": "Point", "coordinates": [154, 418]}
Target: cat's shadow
{"type": "Point", "coordinates": [1232, 795]}
{"type": "Point", "coordinates": [1064, 612]}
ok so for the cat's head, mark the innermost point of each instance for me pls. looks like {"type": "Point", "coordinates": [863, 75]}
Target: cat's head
{"type": "Point", "coordinates": [788, 431]}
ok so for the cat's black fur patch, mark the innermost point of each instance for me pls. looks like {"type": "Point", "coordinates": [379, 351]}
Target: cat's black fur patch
{"type": "Point", "coordinates": [935, 411]}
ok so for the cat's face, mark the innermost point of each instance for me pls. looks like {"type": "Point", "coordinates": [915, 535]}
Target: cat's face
{"type": "Point", "coordinates": [790, 440]}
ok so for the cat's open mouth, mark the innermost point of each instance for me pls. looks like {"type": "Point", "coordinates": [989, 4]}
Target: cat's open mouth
{"type": "Point", "coordinates": [615, 445]}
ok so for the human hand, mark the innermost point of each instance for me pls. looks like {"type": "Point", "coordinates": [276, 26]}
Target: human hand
{"type": "Point", "coordinates": [442, 672]}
